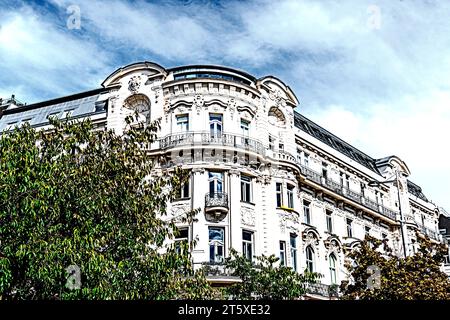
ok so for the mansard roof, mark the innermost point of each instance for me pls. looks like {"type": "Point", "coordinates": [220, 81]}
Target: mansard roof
{"type": "Point", "coordinates": [333, 141]}
{"type": "Point", "coordinates": [416, 190]}
{"type": "Point", "coordinates": [80, 105]}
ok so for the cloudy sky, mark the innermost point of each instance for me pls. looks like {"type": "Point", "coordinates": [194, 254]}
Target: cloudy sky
{"type": "Point", "coordinates": [375, 73]}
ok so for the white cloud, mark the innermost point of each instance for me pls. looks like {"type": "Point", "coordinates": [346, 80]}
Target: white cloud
{"type": "Point", "coordinates": [37, 56]}
{"type": "Point", "coordinates": [415, 130]}
{"type": "Point", "coordinates": [385, 89]}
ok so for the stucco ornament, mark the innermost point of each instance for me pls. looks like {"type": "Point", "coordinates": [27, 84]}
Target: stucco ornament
{"type": "Point", "coordinates": [248, 217]}
{"type": "Point", "coordinates": [198, 103]}
{"type": "Point", "coordinates": [231, 105]}
{"type": "Point", "coordinates": [277, 97]}
{"type": "Point", "coordinates": [134, 84]}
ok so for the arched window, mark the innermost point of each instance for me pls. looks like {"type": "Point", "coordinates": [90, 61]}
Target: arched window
{"type": "Point", "coordinates": [140, 103]}
{"type": "Point", "coordinates": [276, 117]}
{"type": "Point", "coordinates": [309, 259]}
{"type": "Point", "coordinates": [333, 260]}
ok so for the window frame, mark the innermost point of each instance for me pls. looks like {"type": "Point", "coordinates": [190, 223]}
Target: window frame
{"type": "Point", "coordinates": [307, 212]}
{"type": "Point", "coordinates": [293, 249]}
{"type": "Point", "coordinates": [246, 244]}
{"type": "Point", "coordinates": [282, 257]}
{"type": "Point", "coordinates": [246, 183]}
{"type": "Point", "coordinates": [216, 245]}
{"type": "Point", "coordinates": [279, 194]}
{"type": "Point", "coordinates": [290, 195]}
{"type": "Point", "coordinates": [181, 124]}
{"type": "Point", "coordinates": [349, 225]}
{"type": "Point", "coordinates": [329, 220]}
{"type": "Point", "coordinates": [332, 268]}
{"type": "Point", "coordinates": [309, 260]}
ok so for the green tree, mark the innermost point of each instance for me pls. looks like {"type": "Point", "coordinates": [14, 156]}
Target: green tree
{"type": "Point", "coordinates": [90, 199]}
{"type": "Point", "coordinates": [417, 277]}
{"type": "Point", "coordinates": [265, 279]}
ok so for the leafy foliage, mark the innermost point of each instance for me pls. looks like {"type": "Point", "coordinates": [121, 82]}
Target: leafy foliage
{"type": "Point", "coordinates": [89, 198]}
{"type": "Point", "coordinates": [264, 279]}
{"type": "Point", "coordinates": [418, 277]}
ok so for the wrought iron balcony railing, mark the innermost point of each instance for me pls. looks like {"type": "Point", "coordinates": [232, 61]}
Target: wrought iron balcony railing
{"type": "Point", "coordinates": [216, 199]}
{"type": "Point", "coordinates": [322, 289]}
{"type": "Point", "coordinates": [430, 233]}
{"type": "Point", "coordinates": [340, 189]}
{"type": "Point", "coordinates": [311, 174]}
{"type": "Point", "coordinates": [206, 138]}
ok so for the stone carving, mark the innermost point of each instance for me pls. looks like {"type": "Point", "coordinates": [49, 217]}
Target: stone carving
{"type": "Point", "coordinates": [264, 178]}
{"type": "Point", "coordinates": [179, 211]}
{"type": "Point", "coordinates": [310, 238]}
{"type": "Point", "coordinates": [199, 102]}
{"type": "Point", "coordinates": [134, 84]}
{"type": "Point", "coordinates": [248, 216]}
{"type": "Point", "coordinates": [332, 245]}
{"type": "Point", "coordinates": [231, 106]}
{"type": "Point", "coordinates": [277, 96]}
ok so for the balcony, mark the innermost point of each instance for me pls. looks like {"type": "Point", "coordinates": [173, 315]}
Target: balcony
{"type": "Point", "coordinates": [191, 138]}
{"type": "Point", "coordinates": [337, 187]}
{"type": "Point", "coordinates": [217, 273]}
{"type": "Point", "coordinates": [311, 174]}
{"type": "Point", "coordinates": [340, 189]}
{"type": "Point", "coordinates": [430, 233]}
{"type": "Point", "coordinates": [323, 290]}
{"type": "Point", "coordinates": [216, 206]}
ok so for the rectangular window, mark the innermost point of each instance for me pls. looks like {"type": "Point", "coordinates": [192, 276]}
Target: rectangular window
{"type": "Point", "coordinates": [279, 191]}
{"type": "Point", "coordinates": [183, 191]}
{"type": "Point", "coordinates": [290, 196]}
{"type": "Point", "coordinates": [349, 228]}
{"type": "Point", "coordinates": [367, 230]}
{"type": "Point", "coordinates": [282, 253]}
{"type": "Point", "coordinates": [67, 114]}
{"type": "Point", "coordinates": [215, 125]}
{"type": "Point", "coordinates": [306, 160]}
{"type": "Point", "coordinates": [281, 146]}
{"type": "Point", "coordinates": [11, 125]}
{"type": "Point", "coordinates": [26, 121]}
{"type": "Point", "coordinates": [383, 236]}
{"type": "Point", "coordinates": [299, 156]}
{"type": "Point", "coordinates": [329, 221]}
{"type": "Point", "coordinates": [245, 128]}
{"type": "Point", "coordinates": [216, 244]}
{"type": "Point", "coordinates": [246, 189]}
{"type": "Point", "coordinates": [215, 180]}
{"type": "Point", "coordinates": [306, 212]}
{"type": "Point", "coordinates": [53, 115]}
{"type": "Point", "coordinates": [181, 237]}
{"type": "Point", "coordinates": [363, 187]}
{"type": "Point", "coordinates": [271, 141]}
{"type": "Point", "coordinates": [324, 170]}
{"type": "Point", "coordinates": [183, 123]}
{"type": "Point", "coordinates": [247, 244]}
{"type": "Point", "coordinates": [293, 242]}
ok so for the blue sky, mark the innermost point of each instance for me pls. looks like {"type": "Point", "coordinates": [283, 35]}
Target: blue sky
{"type": "Point", "coordinates": [375, 73]}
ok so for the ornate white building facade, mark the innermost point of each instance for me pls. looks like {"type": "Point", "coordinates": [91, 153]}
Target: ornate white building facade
{"type": "Point", "coordinates": [267, 180]}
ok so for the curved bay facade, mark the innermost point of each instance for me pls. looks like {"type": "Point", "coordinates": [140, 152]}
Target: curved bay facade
{"type": "Point", "coordinates": [267, 179]}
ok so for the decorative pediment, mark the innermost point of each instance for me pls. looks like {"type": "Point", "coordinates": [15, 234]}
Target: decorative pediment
{"type": "Point", "coordinates": [310, 236]}
{"type": "Point", "coordinates": [350, 246]}
{"type": "Point", "coordinates": [332, 244]}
